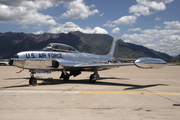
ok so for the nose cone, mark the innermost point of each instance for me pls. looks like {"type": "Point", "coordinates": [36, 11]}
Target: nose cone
{"type": "Point", "coordinates": [12, 61]}
{"type": "Point", "coordinates": [15, 56]}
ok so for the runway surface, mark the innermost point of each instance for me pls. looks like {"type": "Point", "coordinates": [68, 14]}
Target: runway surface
{"type": "Point", "coordinates": [125, 93]}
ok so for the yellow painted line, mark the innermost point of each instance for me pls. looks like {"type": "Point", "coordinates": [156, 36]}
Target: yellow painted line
{"type": "Point", "coordinates": [32, 85]}
{"type": "Point", "coordinates": [144, 93]}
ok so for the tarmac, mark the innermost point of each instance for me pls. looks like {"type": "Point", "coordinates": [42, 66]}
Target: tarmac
{"type": "Point", "coordinates": [124, 93]}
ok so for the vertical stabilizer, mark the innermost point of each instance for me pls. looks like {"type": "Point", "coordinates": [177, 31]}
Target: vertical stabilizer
{"type": "Point", "coordinates": [114, 49]}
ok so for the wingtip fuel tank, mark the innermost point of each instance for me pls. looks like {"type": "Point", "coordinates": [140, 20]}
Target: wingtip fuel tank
{"type": "Point", "coordinates": [150, 63]}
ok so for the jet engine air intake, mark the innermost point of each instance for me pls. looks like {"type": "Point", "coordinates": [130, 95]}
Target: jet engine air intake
{"type": "Point", "coordinates": [55, 64]}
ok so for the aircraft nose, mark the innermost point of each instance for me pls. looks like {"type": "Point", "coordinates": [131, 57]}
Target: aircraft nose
{"type": "Point", "coordinates": [15, 56]}
{"type": "Point", "coordinates": [11, 61]}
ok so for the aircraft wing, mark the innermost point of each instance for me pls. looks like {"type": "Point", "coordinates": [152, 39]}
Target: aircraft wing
{"type": "Point", "coordinates": [58, 65]}
{"type": "Point", "coordinates": [92, 66]}
{"type": "Point", "coordinates": [102, 66]}
{"type": "Point", "coordinates": [145, 63]}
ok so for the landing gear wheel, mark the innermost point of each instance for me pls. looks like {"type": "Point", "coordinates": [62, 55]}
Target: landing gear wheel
{"type": "Point", "coordinates": [30, 81]}
{"type": "Point", "coordinates": [66, 77]}
{"type": "Point", "coordinates": [92, 78]}
{"type": "Point", "coordinates": [33, 81]}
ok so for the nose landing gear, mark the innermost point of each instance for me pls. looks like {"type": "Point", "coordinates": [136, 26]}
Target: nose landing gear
{"type": "Point", "coordinates": [32, 80]}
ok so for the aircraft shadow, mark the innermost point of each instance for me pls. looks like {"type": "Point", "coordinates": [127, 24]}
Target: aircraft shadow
{"type": "Point", "coordinates": [85, 81]}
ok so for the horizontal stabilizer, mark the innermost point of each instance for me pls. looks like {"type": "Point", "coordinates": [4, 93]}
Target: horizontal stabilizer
{"type": "Point", "coordinates": [150, 63]}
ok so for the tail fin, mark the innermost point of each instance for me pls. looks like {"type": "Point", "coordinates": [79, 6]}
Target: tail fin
{"type": "Point", "coordinates": [114, 49]}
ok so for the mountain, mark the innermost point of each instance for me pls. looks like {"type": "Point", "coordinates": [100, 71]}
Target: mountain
{"type": "Point", "coordinates": [12, 43]}
{"type": "Point", "coordinates": [176, 59]}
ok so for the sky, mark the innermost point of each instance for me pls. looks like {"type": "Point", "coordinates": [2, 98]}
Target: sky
{"type": "Point", "coordinates": [152, 23]}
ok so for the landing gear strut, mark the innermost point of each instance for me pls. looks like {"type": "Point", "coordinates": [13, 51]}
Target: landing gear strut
{"type": "Point", "coordinates": [65, 75]}
{"type": "Point", "coordinates": [32, 80]}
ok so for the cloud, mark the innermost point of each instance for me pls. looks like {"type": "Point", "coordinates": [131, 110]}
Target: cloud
{"type": "Point", "coordinates": [61, 1]}
{"type": "Point", "coordinates": [36, 18]}
{"type": "Point", "coordinates": [134, 29]}
{"type": "Point", "coordinates": [101, 14]}
{"type": "Point", "coordinates": [157, 27]}
{"type": "Point", "coordinates": [170, 45]}
{"type": "Point", "coordinates": [144, 10]}
{"type": "Point", "coordinates": [115, 30]}
{"type": "Point", "coordinates": [143, 7]}
{"type": "Point", "coordinates": [172, 25]}
{"type": "Point", "coordinates": [155, 5]}
{"type": "Point", "coordinates": [157, 18]}
{"type": "Point", "coordinates": [70, 26]}
{"type": "Point", "coordinates": [39, 5]}
{"type": "Point", "coordinates": [137, 38]}
{"type": "Point", "coordinates": [77, 9]}
{"type": "Point", "coordinates": [11, 2]}
{"type": "Point", "coordinates": [19, 2]}
{"type": "Point", "coordinates": [26, 12]}
{"type": "Point", "coordinates": [98, 30]}
{"type": "Point", "coordinates": [166, 1]}
{"type": "Point", "coordinates": [125, 20]}
{"type": "Point", "coordinates": [147, 7]}
{"type": "Point", "coordinates": [166, 40]}
{"type": "Point", "coordinates": [39, 32]}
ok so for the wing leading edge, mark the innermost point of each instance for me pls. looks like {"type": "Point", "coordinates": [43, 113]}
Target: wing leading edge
{"type": "Point", "coordinates": [98, 67]}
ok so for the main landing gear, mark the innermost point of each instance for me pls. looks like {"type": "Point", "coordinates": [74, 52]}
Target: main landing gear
{"type": "Point", "coordinates": [64, 75]}
{"type": "Point", "coordinates": [32, 80]}
{"type": "Point", "coordinates": [94, 77]}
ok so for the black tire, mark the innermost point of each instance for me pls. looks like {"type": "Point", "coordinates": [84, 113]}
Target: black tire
{"type": "Point", "coordinates": [30, 81]}
{"type": "Point", "coordinates": [33, 81]}
{"type": "Point", "coordinates": [66, 77]}
{"type": "Point", "coordinates": [92, 79]}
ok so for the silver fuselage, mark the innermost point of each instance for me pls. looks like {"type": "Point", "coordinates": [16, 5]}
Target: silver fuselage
{"type": "Point", "coordinates": [44, 60]}
{"type": "Point", "coordinates": [61, 57]}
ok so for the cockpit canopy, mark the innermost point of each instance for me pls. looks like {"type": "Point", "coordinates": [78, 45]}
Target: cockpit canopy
{"type": "Point", "coordinates": [59, 47]}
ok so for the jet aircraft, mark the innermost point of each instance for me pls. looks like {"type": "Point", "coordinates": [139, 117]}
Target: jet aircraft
{"type": "Point", "coordinates": [65, 58]}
